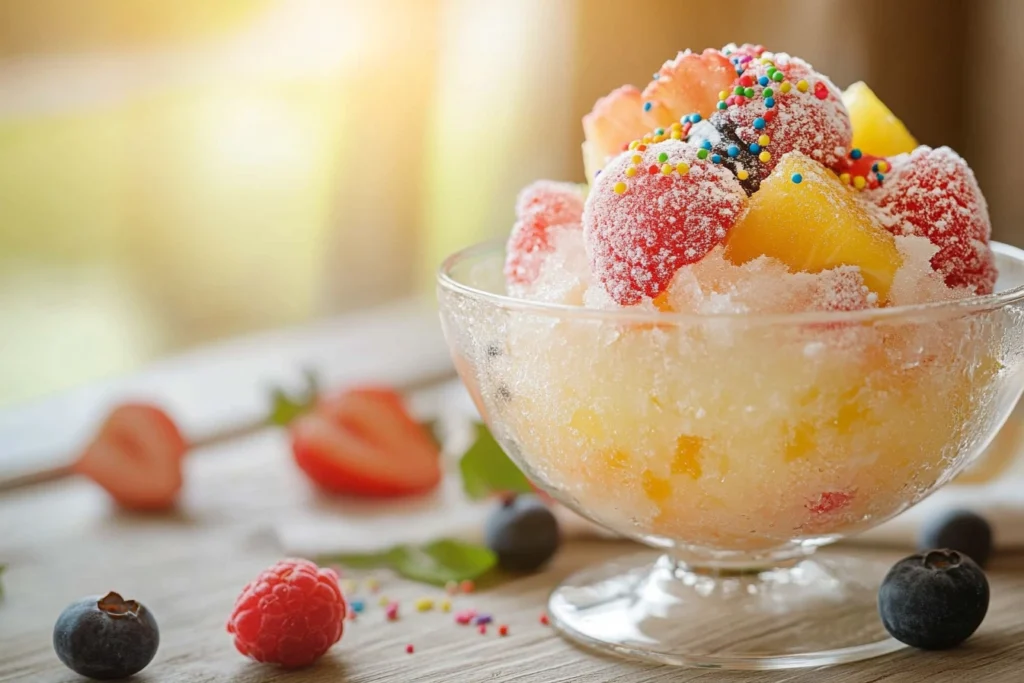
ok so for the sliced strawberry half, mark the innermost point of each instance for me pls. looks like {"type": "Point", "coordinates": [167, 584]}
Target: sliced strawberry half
{"type": "Point", "coordinates": [364, 442]}
{"type": "Point", "coordinates": [136, 456]}
{"type": "Point", "coordinates": [688, 84]}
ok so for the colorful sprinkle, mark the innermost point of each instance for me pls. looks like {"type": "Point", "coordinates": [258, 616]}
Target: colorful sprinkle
{"type": "Point", "coordinates": [706, 145]}
{"type": "Point", "coordinates": [738, 90]}
{"type": "Point", "coordinates": [483, 619]}
{"type": "Point", "coordinates": [802, 85]}
{"type": "Point", "coordinates": [647, 106]}
{"type": "Point", "coordinates": [683, 168]}
{"type": "Point", "coordinates": [785, 87]}
{"type": "Point", "coordinates": [820, 90]}
{"type": "Point", "coordinates": [879, 177]}
{"type": "Point", "coordinates": [797, 178]}
{"type": "Point", "coordinates": [771, 71]}
{"type": "Point", "coordinates": [763, 140]}
{"type": "Point", "coordinates": [384, 601]}
{"type": "Point", "coordinates": [765, 156]}
{"type": "Point", "coordinates": [859, 182]}
{"type": "Point", "coordinates": [659, 131]}
{"type": "Point", "coordinates": [467, 586]}
{"type": "Point", "coordinates": [446, 606]}
{"type": "Point", "coordinates": [759, 123]}
{"type": "Point", "coordinates": [424, 605]}
{"type": "Point", "coordinates": [503, 630]}
{"type": "Point", "coordinates": [767, 92]}
{"type": "Point", "coordinates": [636, 159]}
{"type": "Point", "coordinates": [358, 605]}
{"type": "Point", "coordinates": [716, 158]}
{"type": "Point", "coordinates": [769, 102]}
{"type": "Point", "coordinates": [631, 171]}
{"type": "Point", "coordinates": [844, 178]}
{"type": "Point", "coordinates": [754, 148]}
{"type": "Point", "coordinates": [465, 616]}
{"type": "Point", "coordinates": [764, 80]}
{"type": "Point", "coordinates": [677, 135]}
{"type": "Point", "coordinates": [666, 169]}
{"type": "Point", "coordinates": [694, 118]}
{"type": "Point", "coordinates": [409, 648]}
{"type": "Point", "coordinates": [883, 166]}
{"type": "Point", "coordinates": [747, 81]}
{"type": "Point", "coordinates": [391, 611]}
{"type": "Point", "coordinates": [652, 169]}
{"type": "Point", "coordinates": [723, 95]}
{"type": "Point", "coordinates": [742, 174]}
{"type": "Point", "coordinates": [722, 105]}
{"type": "Point", "coordinates": [632, 145]}
{"type": "Point", "coordinates": [702, 154]}
{"type": "Point", "coordinates": [543, 619]}
{"type": "Point", "coordinates": [483, 629]}
{"type": "Point", "coordinates": [855, 154]}
{"type": "Point", "coordinates": [733, 151]}
{"type": "Point", "coordinates": [769, 115]}
{"type": "Point", "coordinates": [620, 187]}
{"type": "Point", "coordinates": [663, 157]}
{"type": "Point", "coordinates": [778, 76]}
{"type": "Point", "coordinates": [749, 92]}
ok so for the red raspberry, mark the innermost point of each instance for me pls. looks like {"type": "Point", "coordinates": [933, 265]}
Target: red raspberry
{"type": "Point", "coordinates": [933, 193]}
{"type": "Point", "coordinates": [640, 227]}
{"type": "Point", "coordinates": [290, 614]}
{"type": "Point", "coordinates": [541, 206]}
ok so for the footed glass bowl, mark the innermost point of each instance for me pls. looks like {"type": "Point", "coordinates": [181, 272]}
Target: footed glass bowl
{"type": "Point", "coordinates": [735, 445]}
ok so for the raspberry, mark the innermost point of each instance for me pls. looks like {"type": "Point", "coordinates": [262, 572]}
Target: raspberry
{"type": "Point", "coordinates": [290, 614]}
{"type": "Point", "coordinates": [933, 193]}
{"type": "Point", "coordinates": [640, 227]}
{"type": "Point", "coordinates": [541, 206]}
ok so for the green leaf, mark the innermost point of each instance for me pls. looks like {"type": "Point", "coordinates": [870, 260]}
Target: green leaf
{"type": "Point", "coordinates": [487, 470]}
{"type": "Point", "coordinates": [442, 561]}
{"type": "Point", "coordinates": [437, 562]}
{"type": "Point", "coordinates": [286, 407]}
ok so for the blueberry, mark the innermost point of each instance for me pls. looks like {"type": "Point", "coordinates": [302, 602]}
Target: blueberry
{"type": "Point", "coordinates": [934, 600]}
{"type": "Point", "coordinates": [523, 533]}
{"type": "Point", "coordinates": [960, 530]}
{"type": "Point", "coordinates": [106, 637]}
{"type": "Point", "coordinates": [719, 134]}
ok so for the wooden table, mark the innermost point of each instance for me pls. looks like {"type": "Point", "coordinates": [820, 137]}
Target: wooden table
{"type": "Point", "coordinates": [62, 540]}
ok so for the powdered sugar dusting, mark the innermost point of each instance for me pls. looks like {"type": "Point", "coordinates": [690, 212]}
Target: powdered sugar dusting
{"type": "Point", "coordinates": [638, 238]}
{"type": "Point", "coordinates": [540, 206]}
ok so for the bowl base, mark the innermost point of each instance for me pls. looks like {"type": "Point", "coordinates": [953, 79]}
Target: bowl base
{"type": "Point", "coordinates": [815, 612]}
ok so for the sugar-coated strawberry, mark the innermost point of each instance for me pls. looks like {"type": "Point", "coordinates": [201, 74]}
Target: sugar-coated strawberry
{"type": "Point", "coordinates": [779, 104]}
{"type": "Point", "coordinates": [654, 210]}
{"type": "Point", "coordinates": [688, 84]}
{"type": "Point", "coordinates": [616, 120]}
{"type": "Point", "coordinates": [541, 206]}
{"type": "Point", "coordinates": [364, 442]}
{"type": "Point", "coordinates": [137, 457]}
{"type": "Point", "coordinates": [933, 192]}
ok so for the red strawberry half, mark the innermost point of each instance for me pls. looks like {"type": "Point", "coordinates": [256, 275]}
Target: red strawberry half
{"type": "Point", "coordinates": [541, 206]}
{"type": "Point", "coordinates": [136, 457]}
{"type": "Point", "coordinates": [364, 442]}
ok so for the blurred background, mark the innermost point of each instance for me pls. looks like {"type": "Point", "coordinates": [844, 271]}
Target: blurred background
{"type": "Point", "coordinates": [178, 171]}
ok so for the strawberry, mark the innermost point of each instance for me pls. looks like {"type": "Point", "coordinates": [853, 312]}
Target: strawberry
{"type": "Point", "coordinates": [541, 206]}
{"type": "Point", "coordinates": [933, 193]}
{"type": "Point", "coordinates": [364, 442]}
{"type": "Point", "coordinates": [616, 120]}
{"type": "Point", "coordinates": [688, 84]}
{"type": "Point", "coordinates": [136, 456]}
{"type": "Point", "coordinates": [654, 210]}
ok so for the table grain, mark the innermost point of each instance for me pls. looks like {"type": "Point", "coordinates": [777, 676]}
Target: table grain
{"type": "Point", "coordinates": [63, 540]}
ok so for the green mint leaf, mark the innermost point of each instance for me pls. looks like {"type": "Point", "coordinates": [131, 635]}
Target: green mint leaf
{"type": "Point", "coordinates": [442, 561]}
{"type": "Point", "coordinates": [285, 407]}
{"type": "Point", "coordinates": [437, 562]}
{"type": "Point", "coordinates": [487, 470]}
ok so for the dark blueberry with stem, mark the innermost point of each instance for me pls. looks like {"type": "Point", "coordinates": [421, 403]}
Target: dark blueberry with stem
{"type": "Point", "coordinates": [523, 533]}
{"type": "Point", "coordinates": [106, 637]}
{"type": "Point", "coordinates": [934, 600]}
{"type": "Point", "coordinates": [961, 530]}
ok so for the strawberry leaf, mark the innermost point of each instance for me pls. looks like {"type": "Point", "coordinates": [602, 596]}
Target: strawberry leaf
{"type": "Point", "coordinates": [437, 562]}
{"type": "Point", "coordinates": [486, 469]}
{"type": "Point", "coordinates": [286, 407]}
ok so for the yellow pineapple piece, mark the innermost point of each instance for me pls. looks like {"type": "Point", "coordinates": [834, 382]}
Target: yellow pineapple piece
{"type": "Point", "coordinates": [813, 225]}
{"type": "Point", "coordinates": [876, 130]}
{"type": "Point", "coordinates": [687, 456]}
{"type": "Point", "coordinates": [658, 489]}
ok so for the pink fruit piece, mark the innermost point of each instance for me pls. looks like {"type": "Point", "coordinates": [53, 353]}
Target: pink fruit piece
{"type": "Point", "coordinates": [830, 501]}
{"type": "Point", "coordinates": [136, 457]}
{"type": "Point", "coordinates": [541, 206]}
{"type": "Point", "coordinates": [652, 211]}
{"type": "Point", "coordinates": [615, 120]}
{"type": "Point", "coordinates": [779, 104]}
{"type": "Point", "coordinates": [688, 84]}
{"type": "Point", "coordinates": [933, 193]}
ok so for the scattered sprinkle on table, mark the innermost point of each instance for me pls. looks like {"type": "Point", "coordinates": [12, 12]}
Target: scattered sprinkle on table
{"type": "Point", "coordinates": [484, 619]}
{"type": "Point", "coordinates": [409, 648]}
{"type": "Point", "coordinates": [392, 611]}
{"type": "Point", "coordinates": [424, 604]}
{"type": "Point", "coordinates": [483, 629]}
{"type": "Point", "coordinates": [384, 601]}
{"type": "Point", "coordinates": [358, 605]}
{"type": "Point", "coordinates": [544, 619]}
{"type": "Point", "coordinates": [503, 630]}
{"type": "Point", "coordinates": [467, 586]}
{"type": "Point", "coordinates": [446, 606]}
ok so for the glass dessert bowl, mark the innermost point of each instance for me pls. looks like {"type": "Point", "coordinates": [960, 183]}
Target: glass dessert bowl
{"type": "Point", "coordinates": [735, 444]}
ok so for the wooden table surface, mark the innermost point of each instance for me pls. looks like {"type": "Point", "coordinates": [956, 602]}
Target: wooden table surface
{"type": "Point", "coordinates": [62, 540]}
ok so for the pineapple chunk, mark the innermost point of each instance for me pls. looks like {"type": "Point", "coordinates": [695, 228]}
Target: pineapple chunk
{"type": "Point", "coordinates": [813, 225]}
{"type": "Point", "coordinates": [876, 130]}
